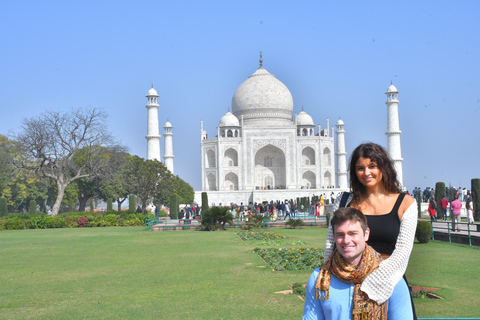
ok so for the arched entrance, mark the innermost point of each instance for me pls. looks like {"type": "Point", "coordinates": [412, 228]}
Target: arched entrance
{"type": "Point", "coordinates": [270, 171]}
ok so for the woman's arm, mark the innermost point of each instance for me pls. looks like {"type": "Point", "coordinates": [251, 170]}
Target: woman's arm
{"type": "Point", "coordinates": [380, 283]}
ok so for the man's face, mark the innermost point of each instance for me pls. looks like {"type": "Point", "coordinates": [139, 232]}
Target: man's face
{"type": "Point", "coordinates": [350, 240]}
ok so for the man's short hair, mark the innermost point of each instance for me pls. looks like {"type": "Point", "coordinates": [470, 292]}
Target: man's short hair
{"type": "Point", "coordinates": [348, 214]}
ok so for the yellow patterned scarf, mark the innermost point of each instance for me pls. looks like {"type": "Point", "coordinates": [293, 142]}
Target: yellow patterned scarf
{"type": "Point", "coordinates": [363, 308]}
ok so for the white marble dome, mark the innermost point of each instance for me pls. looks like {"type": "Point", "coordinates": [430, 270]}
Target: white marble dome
{"type": "Point", "coordinates": [168, 125]}
{"type": "Point", "coordinates": [263, 99]}
{"type": "Point", "coordinates": [152, 92]}
{"type": "Point", "coordinates": [340, 123]}
{"type": "Point", "coordinates": [392, 88]}
{"type": "Point", "coordinates": [229, 120]}
{"type": "Point", "coordinates": [304, 119]}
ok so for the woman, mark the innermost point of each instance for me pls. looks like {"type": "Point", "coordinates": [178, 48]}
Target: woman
{"type": "Point", "coordinates": [469, 207]}
{"type": "Point", "coordinates": [322, 206]}
{"type": "Point", "coordinates": [391, 216]}
{"type": "Point", "coordinates": [431, 209]}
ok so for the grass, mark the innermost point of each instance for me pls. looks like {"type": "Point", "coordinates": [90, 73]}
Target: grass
{"type": "Point", "coordinates": [125, 273]}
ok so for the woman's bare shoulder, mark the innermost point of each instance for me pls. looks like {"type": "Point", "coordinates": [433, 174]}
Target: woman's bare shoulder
{"type": "Point", "coordinates": [406, 203]}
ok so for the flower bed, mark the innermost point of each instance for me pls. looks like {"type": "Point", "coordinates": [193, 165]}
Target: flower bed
{"type": "Point", "coordinates": [291, 258]}
{"type": "Point", "coordinates": [267, 239]}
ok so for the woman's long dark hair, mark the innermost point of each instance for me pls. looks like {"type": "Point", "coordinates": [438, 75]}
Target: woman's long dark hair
{"type": "Point", "coordinates": [377, 154]}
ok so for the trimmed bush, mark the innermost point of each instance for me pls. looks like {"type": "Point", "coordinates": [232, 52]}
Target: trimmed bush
{"type": "Point", "coordinates": [205, 205]}
{"type": "Point", "coordinates": [174, 207]}
{"type": "Point", "coordinates": [3, 207]}
{"type": "Point", "coordinates": [439, 194]}
{"type": "Point", "coordinates": [33, 207]}
{"type": "Point", "coordinates": [132, 203]}
{"type": "Point", "coordinates": [215, 218]}
{"type": "Point", "coordinates": [109, 205]}
{"type": "Point", "coordinates": [328, 219]}
{"type": "Point", "coordinates": [92, 206]}
{"type": "Point", "coordinates": [476, 198]}
{"type": "Point", "coordinates": [423, 232]}
{"type": "Point", "coordinates": [419, 203]}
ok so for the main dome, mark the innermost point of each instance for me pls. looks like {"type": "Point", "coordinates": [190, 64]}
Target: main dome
{"type": "Point", "coordinates": [264, 99]}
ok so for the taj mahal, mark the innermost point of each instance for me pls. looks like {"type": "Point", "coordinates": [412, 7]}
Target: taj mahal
{"type": "Point", "coordinates": [262, 151]}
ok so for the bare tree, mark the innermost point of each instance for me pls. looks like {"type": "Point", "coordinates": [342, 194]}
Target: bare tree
{"type": "Point", "coordinates": [66, 146]}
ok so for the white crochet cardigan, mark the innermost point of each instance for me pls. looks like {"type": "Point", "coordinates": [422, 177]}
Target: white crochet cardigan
{"type": "Point", "coordinates": [380, 283]}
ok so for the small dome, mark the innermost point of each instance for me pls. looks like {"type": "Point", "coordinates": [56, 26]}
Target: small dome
{"type": "Point", "coordinates": [168, 125]}
{"type": "Point", "coordinates": [304, 119]}
{"type": "Point", "coordinates": [152, 92]}
{"type": "Point", "coordinates": [392, 89]}
{"type": "Point", "coordinates": [229, 120]}
{"type": "Point", "coordinates": [340, 122]}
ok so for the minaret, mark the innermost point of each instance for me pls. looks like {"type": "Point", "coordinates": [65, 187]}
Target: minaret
{"type": "Point", "coordinates": [393, 131]}
{"type": "Point", "coordinates": [153, 136]}
{"type": "Point", "coordinates": [341, 156]}
{"type": "Point", "coordinates": [168, 156]}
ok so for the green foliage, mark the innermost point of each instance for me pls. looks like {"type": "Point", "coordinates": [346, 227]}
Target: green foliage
{"type": "Point", "coordinates": [3, 207]}
{"type": "Point", "coordinates": [162, 213]}
{"type": "Point", "coordinates": [423, 232]}
{"type": "Point", "coordinates": [299, 289]}
{"type": "Point", "coordinates": [267, 239]}
{"type": "Point", "coordinates": [132, 203]}
{"type": "Point", "coordinates": [253, 221]}
{"type": "Point", "coordinates": [295, 223]}
{"type": "Point", "coordinates": [215, 218]}
{"type": "Point", "coordinates": [476, 198]}
{"type": "Point", "coordinates": [33, 207]}
{"type": "Point", "coordinates": [452, 194]}
{"type": "Point", "coordinates": [174, 207]}
{"type": "Point", "coordinates": [291, 258]}
{"type": "Point", "coordinates": [440, 192]}
{"type": "Point", "coordinates": [205, 205]}
{"type": "Point", "coordinates": [92, 206]}
{"type": "Point", "coordinates": [109, 205]}
{"type": "Point", "coordinates": [328, 219]}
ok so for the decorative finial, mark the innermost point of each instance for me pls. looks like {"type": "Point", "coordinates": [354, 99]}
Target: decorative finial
{"type": "Point", "coordinates": [152, 85]}
{"type": "Point", "coordinates": [261, 60]}
{"type": "Point", "coordinates": [228, 109]}
{"type": "Point", "coordinates": [302, 107]}
{"type": "Point", "coordinates": [391, 82]}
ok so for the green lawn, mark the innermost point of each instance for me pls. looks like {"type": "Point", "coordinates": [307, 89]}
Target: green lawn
{"type": "Point", "coordinates": [125, 273]}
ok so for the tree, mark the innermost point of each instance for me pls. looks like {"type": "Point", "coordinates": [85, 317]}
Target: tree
{"type": "Point", "coordinates": [53, 144]}
{"type": "Point", "coordinates": [205, 205]}
{"type": "Point", "coordinates": [439, 194]}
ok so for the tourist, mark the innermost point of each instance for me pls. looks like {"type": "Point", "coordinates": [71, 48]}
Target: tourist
{"type": "Point", "coordinates": [469, 207]}
{"type": "Point", "coordinates": [322, 205]}
{"type": "Point", "coordinates": [444, 204]}
{"type": "Point", "coordinates": [333, 291]}
{"type": "Point", "coordinates": [431, 209]}
{"type": "Point", "coordinates": [456, 207]}
{"type": "Point", "coordinates": [287, 211]}
{"type": "Point", "coordinates": [391, 215]}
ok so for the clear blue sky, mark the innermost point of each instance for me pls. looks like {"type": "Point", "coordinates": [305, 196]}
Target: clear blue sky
{"type": "Point", "coordinates": [336, 57]}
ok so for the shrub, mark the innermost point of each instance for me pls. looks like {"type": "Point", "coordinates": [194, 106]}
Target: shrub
{"type": "Point", "coordinates": [109, 205]}
{"type": "Point", "coordinates": [162, 213]}
{"type": "Point", "coordinates": [82, 222]}
{"type": "Point", "coordinates": [174, 206]}
{"type": "Point", "coordinates": [294, 223]}
{"type": "Point", "coordinates": [299, 289]}
{"type": "Point", "coordinates": [14, 224]}
{"type": "Point", "coordinates": [205, 205]}
{"type": "Point", "coordinates": [110, 219]}
{"type": "Point", "coordinates": [439, 194]}
{"type": "Point", "coordinates": [3, 207]}
{"type": "Point", "coordinates": [132, 203]}
{"type": "Point", "coordinates": [33, 207]}
{"type": "Point", "coordinates": [423, 232]}
{"type": "Point", "coordinates": [253, 221]}
{"type": "Point", "coordinates": [215, 218]}
{"type": "Point", "coordinates": [328, 219]}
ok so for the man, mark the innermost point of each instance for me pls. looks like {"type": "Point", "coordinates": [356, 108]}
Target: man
{"type": "Point", "coordinates": [444, 203]}
{"type": "Point", "coordinates": [333, 292]}
{"type": "Point", "coordinates": [456, 207]}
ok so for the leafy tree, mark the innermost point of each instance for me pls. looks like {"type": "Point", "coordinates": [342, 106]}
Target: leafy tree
{"type": "Point", "coordinates": [205, 205]}
{"type": "Point", "coordinates": [132, 203]}
{"type": "Point", "coordinates": [33, 207]}
{"type": "Point", "coordinates": [53, 144]}
{"type": "Point", "coordinates": [3, 207]}
{"type": "Point", "coordinates": [174, 207]}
